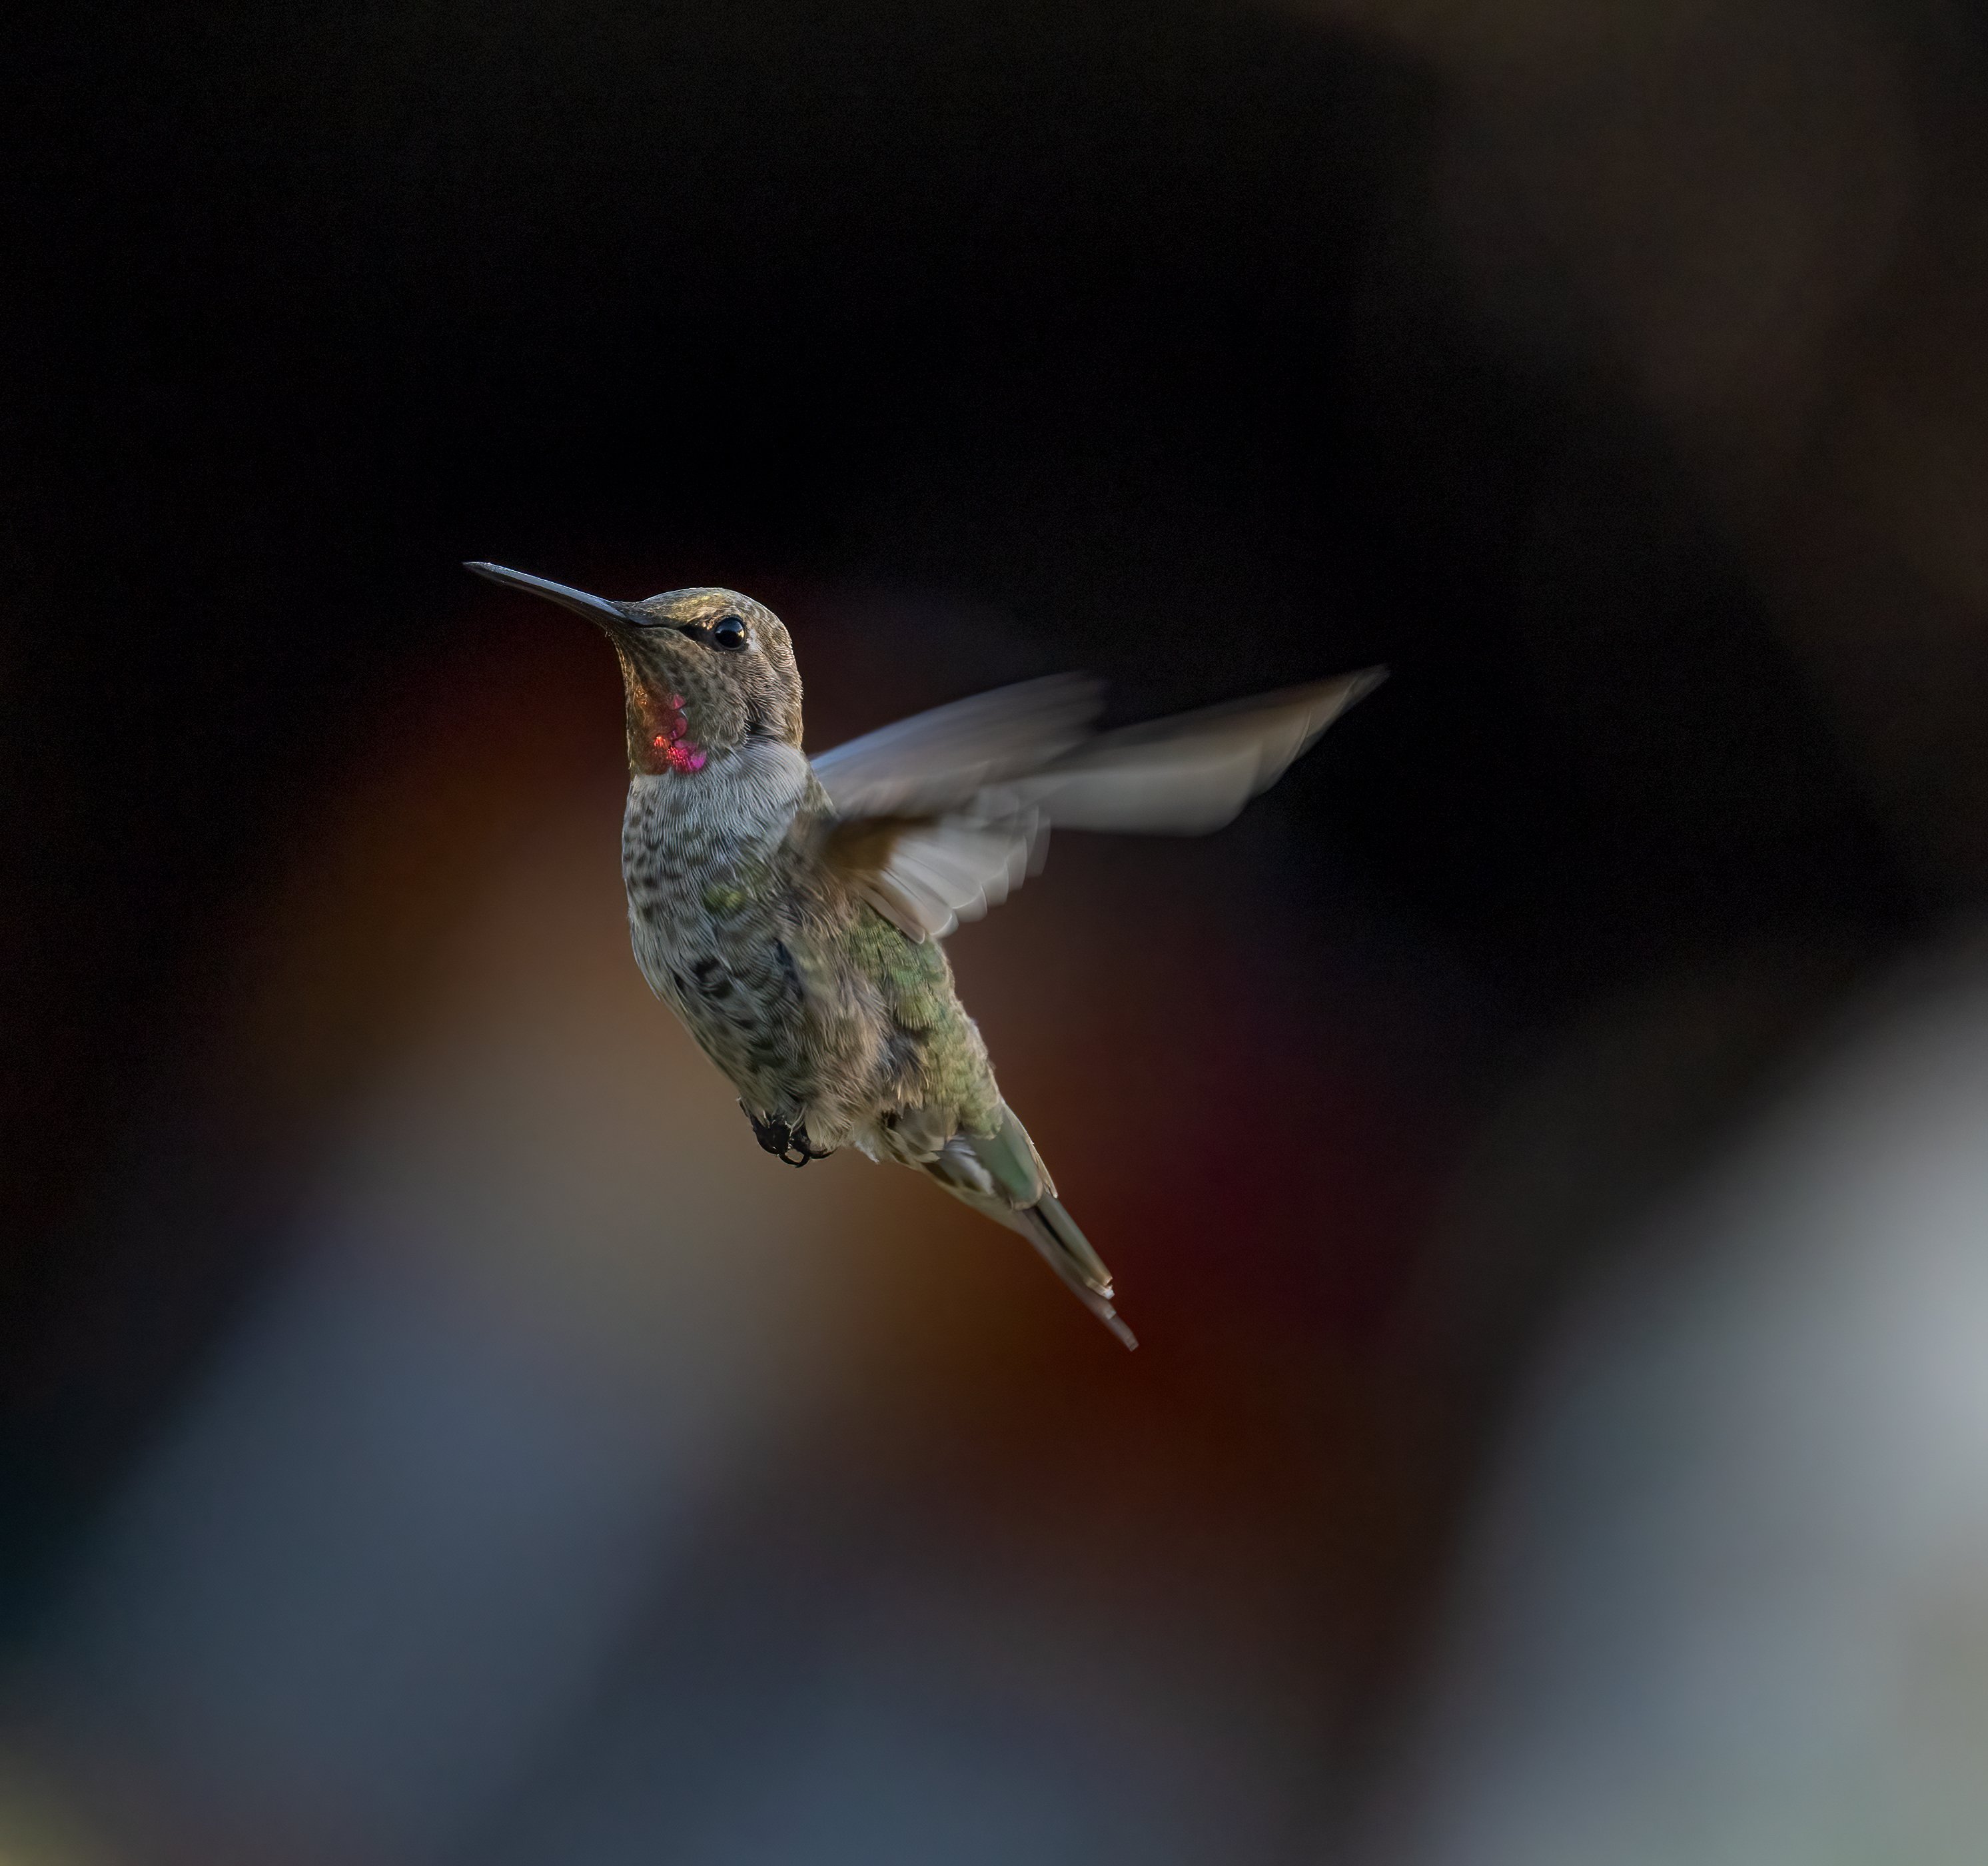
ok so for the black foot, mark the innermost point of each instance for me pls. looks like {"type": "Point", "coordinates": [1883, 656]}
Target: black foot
{"type": "Point", "coordinates": [790, 1144]}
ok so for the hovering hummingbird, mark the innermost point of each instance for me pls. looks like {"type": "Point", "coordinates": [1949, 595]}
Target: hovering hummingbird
{"type": "Point", "coordinates": [790, 910]}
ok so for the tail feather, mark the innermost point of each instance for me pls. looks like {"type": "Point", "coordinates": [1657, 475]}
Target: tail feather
{"type": "Point", "coordinates": [1001, 1174]}
{"type": "Point", "coordinates": [1067, 1252]}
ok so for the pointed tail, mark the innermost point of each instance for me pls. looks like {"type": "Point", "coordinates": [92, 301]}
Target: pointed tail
{"type": "Point", "coordinates": [1067, 1252]}
{"type": "Point", "coordinates": [1001, 1174]}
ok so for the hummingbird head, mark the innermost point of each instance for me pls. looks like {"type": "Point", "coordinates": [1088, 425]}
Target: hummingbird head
{"type": "Point", "coordinates": [704, 671]}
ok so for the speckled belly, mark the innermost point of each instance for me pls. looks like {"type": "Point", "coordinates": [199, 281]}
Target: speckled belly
{"type": "Point", "coordinates": [742, 1002]}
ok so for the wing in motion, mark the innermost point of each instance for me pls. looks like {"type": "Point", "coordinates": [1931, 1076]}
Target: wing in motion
{"type": "Point", "coordinates": [936, 761]}
{"type": "Point", "coordinates": [940, 817]}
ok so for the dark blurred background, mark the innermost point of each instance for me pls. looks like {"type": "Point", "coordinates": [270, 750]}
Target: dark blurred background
{"type": "Point", "coordinates": [429, 1431]}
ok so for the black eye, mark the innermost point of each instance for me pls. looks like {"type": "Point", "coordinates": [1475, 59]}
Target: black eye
{"type": "Point", "coordinates": [728, 632]}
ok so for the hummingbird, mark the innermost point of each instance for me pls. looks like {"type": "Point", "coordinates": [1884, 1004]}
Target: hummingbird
{"type": "Point", "coordinates": [790, 910]}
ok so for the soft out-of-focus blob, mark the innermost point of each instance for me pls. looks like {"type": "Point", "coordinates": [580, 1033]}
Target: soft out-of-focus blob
{"type": "Point", "coordinates": [1727, 1603]}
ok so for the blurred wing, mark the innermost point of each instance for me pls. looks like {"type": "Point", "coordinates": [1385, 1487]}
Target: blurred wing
{"type": "Point", "coordinates": [925, 874]}
{"type": "Point", "coordinates": [926, 870]}
{"type": "Point", "coordinates": [1192, 773]}
{"type": "Point", "coordinates": [936, 761]}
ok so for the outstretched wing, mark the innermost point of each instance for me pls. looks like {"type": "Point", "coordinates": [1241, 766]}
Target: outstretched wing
{"type": "Point", "coordinates": [933, 829]}
{"type": "Point", "coordinates": [1192, 773]}
{"type": "Point", "coordinates": [925, 874]}
{"type": "Point", "coordinates": [935, 762]}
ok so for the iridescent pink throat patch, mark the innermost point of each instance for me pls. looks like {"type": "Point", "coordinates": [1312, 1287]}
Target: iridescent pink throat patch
{"type": "Point", "coordinates": [671, 745]}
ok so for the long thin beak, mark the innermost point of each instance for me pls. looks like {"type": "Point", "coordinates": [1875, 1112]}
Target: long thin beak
{"type": "Point", "coordinates": [595, 608]}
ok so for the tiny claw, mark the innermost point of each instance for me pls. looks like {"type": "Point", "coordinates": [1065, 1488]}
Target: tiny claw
{"type": "Point", "coordinates": [784, 1142]}
{"type": "Point", "coordinates": [799, 1143]}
